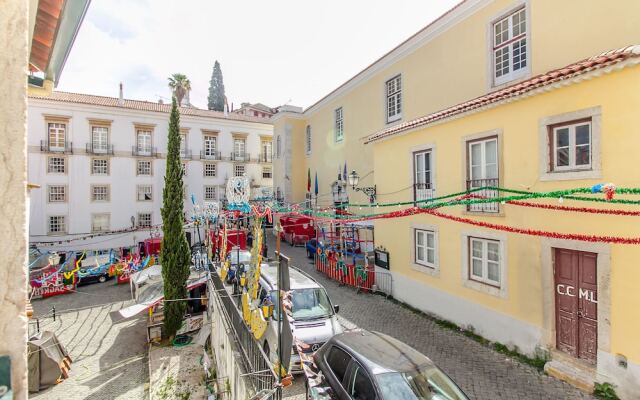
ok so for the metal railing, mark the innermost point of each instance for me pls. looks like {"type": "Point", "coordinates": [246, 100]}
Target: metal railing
{"type": "Point", "coordinates": [258, 369]}
{"type": "Point", "coordinates": [423, 191]}
{"type": "Point", "coordinates": [237, 156]}
{"type": "Point", "coordinates": [65, 148]}
{"type": "Point", "coordinates": [210, 155]}
{"type": "Point", "coordinates": [144, 152]}
{"type": "Point", "coordinates": [93, 148]}
{"type": "Point", "coordinates": [383, 282]}
{"type": "Point", "coordinates": [265, 158]}
{"type": "Point", "coordinates": [185, 154]}
{"type": "Point", "coordinates": [493, 207]}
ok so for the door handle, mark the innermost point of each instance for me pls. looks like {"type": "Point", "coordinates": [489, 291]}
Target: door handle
{"type": "Point", "coordinates": [579, 314]}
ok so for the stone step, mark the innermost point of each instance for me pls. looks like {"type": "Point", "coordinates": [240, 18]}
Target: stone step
{"type": "Point", "coordinates": [573, 373]}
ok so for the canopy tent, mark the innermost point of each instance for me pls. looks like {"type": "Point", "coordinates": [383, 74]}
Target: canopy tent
{"type": "Point", "coordinates": [48, 361]}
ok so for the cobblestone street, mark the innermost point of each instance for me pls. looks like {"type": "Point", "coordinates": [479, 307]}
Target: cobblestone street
{"type": "Point", "coordinates": [481, 372]}
{"type": "Point", "coordinates": [109, 359]}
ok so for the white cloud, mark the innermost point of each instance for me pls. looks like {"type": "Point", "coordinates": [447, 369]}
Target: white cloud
{"type": "Point", "coordinates": [270, 52]}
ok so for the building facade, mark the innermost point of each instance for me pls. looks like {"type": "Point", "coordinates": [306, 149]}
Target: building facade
{"type": "Point", "coordinates": [100, 162]}
{"type": "Point", "coordinates": [257, 110]}
{"type": "Point", "coordinates": [476, 52]}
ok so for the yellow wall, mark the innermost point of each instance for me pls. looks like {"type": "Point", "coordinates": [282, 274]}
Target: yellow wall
{"type": "Point", "coordinates": [520, 157]}
{"type": "Point", "coordinates": [454, 67]}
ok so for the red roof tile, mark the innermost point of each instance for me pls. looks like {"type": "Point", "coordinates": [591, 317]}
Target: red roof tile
{"type": "Point", "coordinates": [570, 71]}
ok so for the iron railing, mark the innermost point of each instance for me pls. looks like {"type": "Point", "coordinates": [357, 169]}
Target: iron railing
{"type": "Point", "coordinates": [265, 158]}
{"type": "Point", "coordinates": [483, 193]}
{"type": "Point", "coordinates": [93, 148]}
{"type": "Point", "coordinates": [144, 152]}
{"type": "Point", "coordinates": [185, 154]}
{"type": "Point", "coordinates": [48, 147]}
{"type": "Point", "coordinates": [258, 369]}
{"type": "Point", "coordinates": [423, 191]}
{"type": "Point", "coordinates": [238, 156]}
{"type": "Point", "coordinates": [210, 155]}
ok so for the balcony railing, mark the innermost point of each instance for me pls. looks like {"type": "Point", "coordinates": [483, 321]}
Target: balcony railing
{"type": "Point", "coordinates": [144, 151]}
{"type": "Point", "coordinates": [423, 191]}
{"type": "Point", "coordinates": [483, 193]}
{"type": "Point", "coordinates": [57, 147]}
{"type": "Point", "coordinates": [210, 155]}
{"type": "Point", "coordinates": [238, 156]}
{"type": "Point", "coordinates": [100, 150]}
{"type": "Point", "coordinates": [265, 158]}
{"type": "Point", "coordinates": [185, 154]}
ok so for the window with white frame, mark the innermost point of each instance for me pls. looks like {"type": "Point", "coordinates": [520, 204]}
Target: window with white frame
{"type": "Point", "coordinates": [482, 160]}
{"type": "Point", "coordinates": [57, 133]}
{"type": "Point", "coordinates": [238, 170]}
{"type": "Point", "coordinates": [100, 222]}
{"type": "Point", "coordinates": [510, 47]}
{"type": "Point", "coordinates": [267, 172]}
{"type": "Point", "coordinates": [267, 150]}
{"type": "Point", "coordinates": [57, 194]}
{"type": "Point", "coordinates": [183, 144]}
{"type": "Point", "coordinates": [571, 146]}
{"type": "Point", "coordinates": [143, 142]}
{"type": "Point", "coordinates": [278, 146]}
{"type": "Point", "coordinates": [210, 143]}
{"type": "Point", "coordinates": [210, 169]}
{"type": "Point", "coordinates": [144, 220]}
{"type": "Point", "coordinates": [423, 175]}
{"type": "Point", "coordinates": [425, 247]}
{"type": "Point", "coordinates": [239, 147]}
{"type": "Point", "coordinates": [484, 261]}
{"type": "Point", "coordinates": [56, 165]}
{"type": "Point", "coordinates": [100, 193]}
{"type": "Point", "coordinates": [145, 193]}
{"type": "Point", "coordinates": [99, 139]}
{"type": "Point", "coordinates": [185, 169]}
{"type": "Point", "coordinates": [99, 166]}
{"type": "Point", "coordinates": [307, 140]}
{"type": "Point", "coordinates": [143, 167]}
{"type": "Point", "coordinates": [394, 98]}
{"type": "Point", "coordinates": [210, 193]}
{"type": "Point", "coordinates": [339, 125]}
{"type": "Point", "coordinates": [57, 224]}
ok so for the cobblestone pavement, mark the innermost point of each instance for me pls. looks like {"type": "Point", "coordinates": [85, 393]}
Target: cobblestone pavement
{"type": "Point", "coordinates": [481, 372]}
{"type": "Point", "coordinates": [109, 358]}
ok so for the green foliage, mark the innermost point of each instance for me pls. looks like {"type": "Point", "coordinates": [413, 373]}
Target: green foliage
{"type": "Point", "coordinates": [180, 85]}
{"type": "Point", "coordinates": [175, 258]}
{"type": "Point", "coordinates": [537, 362]}
{"type": "Point", "coordinates": [605, 391]}
{"type": "Point", "coordinates": [216, 89]}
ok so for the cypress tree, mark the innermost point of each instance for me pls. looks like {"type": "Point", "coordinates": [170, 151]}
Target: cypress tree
{"type": "Point", "coordinates": [175, 257]}
{"type": "Point", "coordinates": [216, 89]}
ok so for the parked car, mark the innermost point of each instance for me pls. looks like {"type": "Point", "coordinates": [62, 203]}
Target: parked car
{"type": "Point", "coordinates": [312, 247]}
{"type": "Point", "coordinates": [371, 365]}
{"type": "Point", "coordinates": [315, 317]}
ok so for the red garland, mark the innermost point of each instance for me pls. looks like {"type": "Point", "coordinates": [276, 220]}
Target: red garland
{"type": "Point", "coordinates": [577, 209]}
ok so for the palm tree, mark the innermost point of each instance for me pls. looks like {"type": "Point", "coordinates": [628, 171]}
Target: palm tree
{"type": "Point", "coordinates": [180, 85]}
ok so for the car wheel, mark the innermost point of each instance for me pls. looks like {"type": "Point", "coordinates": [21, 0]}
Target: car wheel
{"type": "Point", "coordinates": [102, 279]}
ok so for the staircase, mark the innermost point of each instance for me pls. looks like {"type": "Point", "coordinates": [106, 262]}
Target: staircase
{"type": "Point", "coordinates": [575, 372]}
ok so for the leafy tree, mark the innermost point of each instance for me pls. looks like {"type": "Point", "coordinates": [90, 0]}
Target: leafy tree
{"type": "Point", "coordinates": [175, 256]}
{"type": "Point", "coordinates": [216, 89]}
{"type": "Point", "coordinates": [180, 85]}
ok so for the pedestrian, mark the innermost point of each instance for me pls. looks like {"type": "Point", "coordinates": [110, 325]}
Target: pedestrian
{"type": "Point", "coordinates": [250, 239]}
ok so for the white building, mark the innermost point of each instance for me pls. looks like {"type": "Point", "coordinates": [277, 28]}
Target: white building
{"type": "Point", "coordinates": [100, 162]}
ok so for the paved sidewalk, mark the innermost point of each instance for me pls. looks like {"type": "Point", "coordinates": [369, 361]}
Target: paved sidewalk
{"type": "Point", "coordinates": [481, 372]}
{"type": "Point", "coordinates": [109, 359]}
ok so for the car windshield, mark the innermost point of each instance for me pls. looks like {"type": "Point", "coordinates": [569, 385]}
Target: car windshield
{"type": "Point", "coordinates": [427, 383]}
{"type": "Point", "coordinates": [308, 304]}
{"type": "Point", "coordinates": [245, 257]}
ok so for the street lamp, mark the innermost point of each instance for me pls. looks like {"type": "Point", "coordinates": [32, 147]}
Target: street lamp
{"type": "Point", "coordinates": [370, 191]}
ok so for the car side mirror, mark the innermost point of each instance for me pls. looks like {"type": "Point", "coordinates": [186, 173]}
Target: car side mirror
{"type": "Point", "coordinates": [336, 308]}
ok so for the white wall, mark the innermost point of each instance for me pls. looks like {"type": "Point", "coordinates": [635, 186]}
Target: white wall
{"type": "Point", "coordinates": [122, 177]}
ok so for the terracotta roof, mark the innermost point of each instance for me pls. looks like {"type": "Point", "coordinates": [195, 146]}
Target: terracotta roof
{"type": "Point", "coordinates": [90, 99]}
{"type": "Point", "coordinates": [514, 91]}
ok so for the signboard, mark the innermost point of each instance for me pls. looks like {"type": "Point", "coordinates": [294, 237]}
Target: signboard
{"type": "Point", "coordinates": [381, 258]}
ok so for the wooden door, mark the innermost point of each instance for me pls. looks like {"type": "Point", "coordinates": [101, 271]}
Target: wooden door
{"type": "Point", "coordinates": [576, 303]}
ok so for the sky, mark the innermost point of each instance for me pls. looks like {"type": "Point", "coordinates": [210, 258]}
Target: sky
{"type": "Point", "coordinates": [273, 52]}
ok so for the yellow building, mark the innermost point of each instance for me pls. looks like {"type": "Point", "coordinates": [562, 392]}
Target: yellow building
{"type": "Point", "coordinates": [426, 136]}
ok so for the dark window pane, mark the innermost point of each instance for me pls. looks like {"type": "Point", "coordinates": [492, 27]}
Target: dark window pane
{"type": "Point", "coordinates": [562, 137]}
{"type": "Point", "coordinates": [583, 156]}
{"type": "Point", "coordinates": [361, 387]}
{"type": "Point", "coordinates": [582, 134]}
{"type": "Point", "coordinates": [338, 361]}
{"type": "Point", "coordinates": [562, 157]}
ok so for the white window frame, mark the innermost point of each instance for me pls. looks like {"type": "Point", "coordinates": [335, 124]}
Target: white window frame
{"type": "Point", "coordinates": [139, 220]}
{"type": "Point", "coordinates": [183, 144]}
{"type": "Point", "coordinates": [144, 141]}
{"type": "Point", "coordinates": [484, 260]}
{"type": "Point", "coordinates": [142, 191]}
{"type": "Point", "coordinates": [501, 238]}
{"type": "Point", "coordinates": [97, 171]}
{"type": "Point", "coordinates": [210, 193]}
{"type": "Point", "coordinates": [571, 127]}
{"type": "Point", "coordinates": [307, 140]}
{"type": "Point", "coordinates": [267, 170]}
{"type": "Point", "coordinates": [63, 225]}
{"type": "Point", "coordinates": [100, 197]}
{"type": "Point", "coordinates": [140, 172]}
{"type": "Point", "coordinates": [102, 228]}
{"type": "Point", "coordinates": [419, 177]}
{"type": "Point", "coordinates": [425, 233]}
{"type": "Point", "coordinates": [483, 164]}
{"type": "Point", "coordinates": [267, 149]}
{"type": "Point", "coordinates": [99, 139]}
{"type": "Point", "coordinates": [339, 124]}
{"type": "Point", "coordinates": [393, 98]}
{"type": "Point", "coordinates": [509, 44]}
{"type": "Point", "coordinates": [51, 165]}
{"type": "Point", "coordinates": [56, 194]}
{"type": "Point", "coordinates": [236, 167]}
{"type": "Point", "coordinates": [239, 148]}
{"type": "Point", "coordinates": [58, 132]}
{"type": "Point", "coordinates": [212, 173]}
{"type": "Point", "coordinates": [210, 144]}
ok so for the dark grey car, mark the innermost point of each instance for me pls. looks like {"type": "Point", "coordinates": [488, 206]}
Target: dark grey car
{"type": "Point", "coordinates": [371, 365]}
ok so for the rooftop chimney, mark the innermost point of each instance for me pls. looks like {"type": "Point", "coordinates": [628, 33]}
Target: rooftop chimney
{"type": "Point", "coordinates": [121, 98]}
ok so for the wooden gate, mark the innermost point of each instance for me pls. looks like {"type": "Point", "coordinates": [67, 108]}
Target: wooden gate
{"type": "Point", "coordinates": [576, 303]}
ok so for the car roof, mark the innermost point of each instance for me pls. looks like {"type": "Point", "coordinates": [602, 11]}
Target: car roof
{"type": "Point", "coordinates": [298, 279]}
{"type": "Point", "coordinates": [381, 353]}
